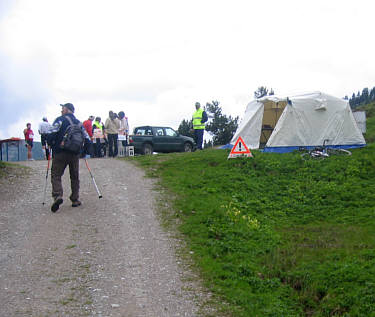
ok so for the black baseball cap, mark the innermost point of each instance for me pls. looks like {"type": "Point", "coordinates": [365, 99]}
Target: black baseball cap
{"type": "Point", "coordinates": [69, 106]}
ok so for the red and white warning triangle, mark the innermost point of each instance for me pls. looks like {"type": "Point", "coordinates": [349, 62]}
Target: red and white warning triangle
{"type": "Point", "coordinates": [239, 149]}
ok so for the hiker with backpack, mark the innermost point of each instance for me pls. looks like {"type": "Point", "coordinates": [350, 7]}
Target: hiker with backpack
{"type": "Point", "coordinates": [66, 139]}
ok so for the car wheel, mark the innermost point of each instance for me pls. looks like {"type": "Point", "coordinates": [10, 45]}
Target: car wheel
{"type": "Point", "coordinates": [147, 149]}
{"type": "Point", "coordinates": [188, 147]}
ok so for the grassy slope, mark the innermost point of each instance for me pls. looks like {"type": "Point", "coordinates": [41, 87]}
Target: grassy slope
{"type": "Point", "coordinates": [11, 170]}
{"type": "Point", "coordinates": [278, 236]}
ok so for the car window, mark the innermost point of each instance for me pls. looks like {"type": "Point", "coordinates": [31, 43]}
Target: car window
{"type": "Point", "coordinates": [170, 132]}
{"type": "Point", "coordinates": [140, 131]}
{"type": "Point", "coordinates": [159, 131]}
{"type": "Point", "coordinates": [143, 131]}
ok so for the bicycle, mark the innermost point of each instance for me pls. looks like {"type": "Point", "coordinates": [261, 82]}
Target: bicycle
{"type": "Point", "coordinates": [324, 151]}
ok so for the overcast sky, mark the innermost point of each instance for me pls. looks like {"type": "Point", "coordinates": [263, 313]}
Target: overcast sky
{"type": "Point", "coordinates": [155, 59]}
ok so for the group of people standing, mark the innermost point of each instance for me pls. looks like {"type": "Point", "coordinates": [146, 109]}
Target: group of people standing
{"type": "Point", "coordinates": [105, 134]}
{"type": "Point", "coordinates": [96, 134]}
{"type": "Point", "coordinates": [101, 135]}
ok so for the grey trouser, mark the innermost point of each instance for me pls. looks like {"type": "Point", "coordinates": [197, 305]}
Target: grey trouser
{"type": "Point", "coordinates": [59, 163]}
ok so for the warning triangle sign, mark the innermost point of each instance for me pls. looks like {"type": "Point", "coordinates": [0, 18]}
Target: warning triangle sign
{"type": "Point", "coordinates": [239, 149]}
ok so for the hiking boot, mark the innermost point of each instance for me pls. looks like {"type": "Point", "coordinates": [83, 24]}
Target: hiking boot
{"type": "Point", "coordinates": [76, 203]}
{"type": "Point", "coordinates": [56, 204]}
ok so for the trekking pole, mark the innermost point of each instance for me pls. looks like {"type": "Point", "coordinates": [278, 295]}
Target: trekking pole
{"type": "Point", "coordinates": [45, 185]}
{"type": "Point", "coordinates": [93, 179]}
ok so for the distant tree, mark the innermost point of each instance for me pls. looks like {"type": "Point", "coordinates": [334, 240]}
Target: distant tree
{"type": "Point", "coordinates": [261, 92]}
{"type": "Point", "coordinates": [185, 128]}
{"type": "Point", "coordinates": [221, 127]}
{"type": "Point", "coordinates": [346, 97]}
{"type": "Point", "coordinates": [364, 96]}
{"type": "Point", "coordinates": [352, 101]}
{"type": "Point", "coordinates": [372, 94]}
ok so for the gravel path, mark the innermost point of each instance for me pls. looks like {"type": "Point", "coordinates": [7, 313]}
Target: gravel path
{"type": "Point", "coordinates": [108, 257]}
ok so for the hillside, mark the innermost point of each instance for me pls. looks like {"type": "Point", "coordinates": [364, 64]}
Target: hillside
{"type": "Point", "coordinates": [275, 235]}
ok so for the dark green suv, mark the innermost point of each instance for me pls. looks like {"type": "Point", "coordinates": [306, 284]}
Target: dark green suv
{"type": "Point", "coordinates": [148, 139]}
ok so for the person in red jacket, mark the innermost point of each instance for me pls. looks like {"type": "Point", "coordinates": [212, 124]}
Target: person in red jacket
{"type": "Point", "coordinates": [29, 138]}
{"type": "Point", "coordinates": [87, 124]}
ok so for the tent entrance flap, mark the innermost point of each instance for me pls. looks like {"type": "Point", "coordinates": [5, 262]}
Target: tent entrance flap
{"type": "Point", "coordinates": [272, 113]}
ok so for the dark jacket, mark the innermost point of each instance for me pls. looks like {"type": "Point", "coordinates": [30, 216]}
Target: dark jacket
{"type": "Point", "coordinates": [58, 129]}
{"type": "Point", "coordinates": [204, 117]}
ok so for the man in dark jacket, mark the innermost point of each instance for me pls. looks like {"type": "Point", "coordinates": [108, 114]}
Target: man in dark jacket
{"type": "Point", "coordinates": [62, 157]}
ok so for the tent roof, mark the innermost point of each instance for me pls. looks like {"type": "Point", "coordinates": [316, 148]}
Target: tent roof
{"type": "Point", "coordinates": [307, 120]}
{"type": "Point", "coordinates": [316, 95]}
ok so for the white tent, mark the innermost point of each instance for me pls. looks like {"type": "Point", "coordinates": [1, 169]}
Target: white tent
{"type": "Point", "coordinates": [285, 124]}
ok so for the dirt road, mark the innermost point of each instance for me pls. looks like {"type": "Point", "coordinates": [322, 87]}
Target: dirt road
{"type": "Point", "coordinates": [108, 257]}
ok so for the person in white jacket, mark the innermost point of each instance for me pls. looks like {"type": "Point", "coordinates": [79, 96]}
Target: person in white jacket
{"type": "Point", "coordinates": [43, 130]}
{"type": "Point", "coordinates": [124, 127]}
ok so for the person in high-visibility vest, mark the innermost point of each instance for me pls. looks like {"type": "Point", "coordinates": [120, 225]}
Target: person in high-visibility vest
{"type": "Point", "coordinates": [199, 118]}
{"type": "Point", "coordinates": [98, 136]}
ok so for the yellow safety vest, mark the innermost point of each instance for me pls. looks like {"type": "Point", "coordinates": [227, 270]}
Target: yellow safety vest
{"type": "Point", "coordinates": [197, 119]}
{"type": "Point", "coordinates": [98, 130]}
{"type": "Point", "coordinates": [98, 125]}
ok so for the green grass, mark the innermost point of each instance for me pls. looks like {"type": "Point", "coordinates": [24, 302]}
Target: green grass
{"type": "Point", "coordinates": [11, 170]}
{"type": "Point", "coordinates": [370, 131]}
{"type": "Point", "coordinates": [6, 169]}
{"type": "Point", "coordinates": [276, 235]}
